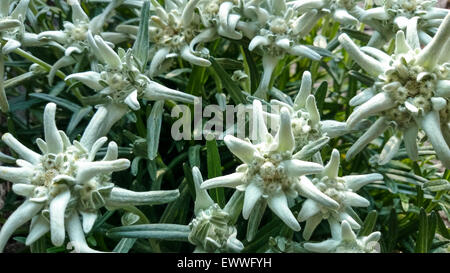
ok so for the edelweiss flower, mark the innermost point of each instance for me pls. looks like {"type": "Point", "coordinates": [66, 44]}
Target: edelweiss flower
{"type": "Point", "coordinates": [397, 15]}
{"type": "Point", "coordinates": [347, 242]}
{"type": "Point", "coordinates": [74, 37]}
{"type": "Point", "coordinates": [411, 92]}
{"type": "Point", "coordinates": [270, 171]}
{"type": "Point", "coordinates": [65, 182]}
{"type": "Point", "coordinates": [342, 191]}
{"type": "Point", "coordinates": [121, 82]}
{"type": "Point", "coordinates": [309, 131]}
{"type": "Point", "coordinates": [280, 31]}
{"type": "Point", "coordinates": [12, 29]}
{"type": "Point", "coordinates": [212, 229]}
{"type": "Point", "coordinates": [172, 30]}
{"type": "Point", "coordinates": [343, 11]}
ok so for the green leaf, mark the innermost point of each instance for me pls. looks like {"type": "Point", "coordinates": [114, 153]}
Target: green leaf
{"type": "Point", "coordinates": [188, 175]}
{"type": "Point", "coordinates": [101, 220]}
{"type": "Point", "coordinates": [420, 197]}
{"type": "Point", "coordinates": [363, 37]}
{"type": "Point", "coordinates": [194, 156]}
{"type": "Point", "coordinates": [442, 229]}
{"type": "Point", "coordinates": [261, 238]}
{"type": "Point", "coordinates": [252, 69]}
{"type": "Point", "coordinates": [391, 236]}
{"type": "Point", "coordinates": [40, 246]}
{"type": "Point", "coordinates": [361, 77]}
{"type": "Point", "coordinates": [195, 85]}
{"type": "Point", "coordinates": [154, 129]}
{"type": "Point", "coordinates": [214, 170]}
{"type": "Point", "coordinates": [404, 199]}
{"type": "Point", "coordinates": [437, 185]}
{"type": "Point", "coordinates": [369, 223]}
{"type": "Point", "coordinates": [422, 238]}
{"type": "Point", "coordinates": [22, 105]}
{"type": "Point", "coordinates": [124, 245]}
{"type": "Point", "coordinates": [431, 229]}
{"type": "Point", "coordinates": [169, 232]}
{"type": "Point", "coordinates": [172, 212]}
{"type": "Point", "coordinates": [320, 95]}
{"type": "Point", "coordinates": [230, 85]}
{"type": "Point", "coordinates": [77, 117]}
{"type": "Point", "coordinates": [140, 47]}
{"type": "Point", "coordinates": [321, 51]}
{"type": "Point", "coordinates": [59, 101]}
{"type": "Point", "coordinates": [229, 64]}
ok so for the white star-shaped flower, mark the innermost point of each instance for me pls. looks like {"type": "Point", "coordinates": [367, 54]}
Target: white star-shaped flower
{"type": "Point", "coordinates": [411, 91]}
{"type": "Point", "coordinates": [73, 39]}
{"type": "Point", "coordinates": [396, 15]}
{"type": "Point", "coordinates": [270, 171]}
{"type": "Point", "coordinates": [64, 183]}
{"type": "Point", "coordinates": [211, 229]}
{"type": "Point", "coordinates": [346, 241]}
{"type": "Point", "coordinates": [342, 190]}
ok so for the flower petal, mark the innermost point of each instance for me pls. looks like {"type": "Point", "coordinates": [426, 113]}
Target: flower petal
{"type": "Point", "coordinates": [252, 194]}
{"type": "Point", "coordinates": [347, 233]}
{"type": "Point", "coordinates": [373, 132]}
{"type": "Point", "coordinates": [20, 216]}
{"type": "Point", "coordinates": [304, 92]}
{"type": "Point", "coordinates": [57, 211]}
{"type": "Point", "coordinates": [431, 53]}
{"type": "Point", "coordinates": [76, 235]}
{"type": "Point", "coordinates": [108, 54]}
{"type": "Point", "coordinates": [19, 148]}
{"type": "Point", "coordinates": [38, 228]}
{"type": "Point", "coordinates": [158, 59]}
{"type": "Point", "coordinates": [88, 219]}
{"type": "Point", "coordinates": [296, 168]}
{"type": "Point", "coordinates": [311, 225]}
{"type": "Point", "coordinates": [431, 125]}
{"type": "Point", "coordinates": [242, 149]}
{"type": "Point", "coordinates": [307, 189]}
{"type": "Point", "coordinates": [278, 204]}
{"type": "Point", "coordinates": [230, 180]}
{"type": "Point", "coordinates": [53, 139]}
{"type": "Point", "coordinates": [90, 78]}
{"type": "Point", "coordinates": [376, 104]}
{"type": "Point", "coordinates": [88, 170]}
{"type": "Point", "coordinates": [309, 209]}
{"type": "Point", "coordinates": [368, 63]}
{"type": "Point", "coordinates": [187, 55]}
{"type": "Point", "coordinates": [356, 182]}
{"type": "Point", "coordinates": [132, 101]}
{"type": "Point", "coordinates": [355, 200]}
{"type": "Point", "coordinates": [202, 198]}
{"type": "Point", "coordinates": [284, 139]}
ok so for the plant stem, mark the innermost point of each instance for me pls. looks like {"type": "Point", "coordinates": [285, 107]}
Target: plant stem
{"type": "Point", "coordinates": [38, 61]}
